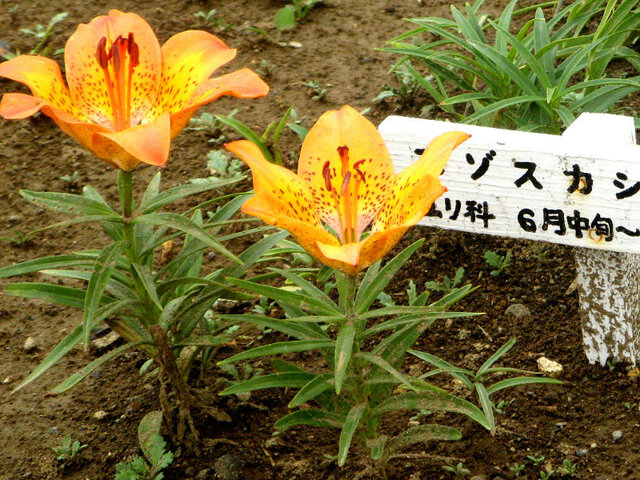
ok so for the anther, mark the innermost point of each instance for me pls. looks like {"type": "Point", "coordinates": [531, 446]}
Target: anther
{"type": "Point", "coordinates": [101, 53]}
{"type": "Point", "coordinates": [356, 167]}
{"type": "Point", "coordinates": [326, 173]}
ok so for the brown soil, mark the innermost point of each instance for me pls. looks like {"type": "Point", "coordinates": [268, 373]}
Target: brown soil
{"type": "Point", "coordinates": [338, 51]}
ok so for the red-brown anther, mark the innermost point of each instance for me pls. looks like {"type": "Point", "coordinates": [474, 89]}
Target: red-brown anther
{"type": "Point", "coordinates": [134, 53]}
{"type": "Point", "coordinates": [101, 53]}
{"type": "Point", "coordinates": [115, 52]}
{"type": "Point", "coordinates": [326, 173]}
{"type": "Point", "coordinates": [356, 167]}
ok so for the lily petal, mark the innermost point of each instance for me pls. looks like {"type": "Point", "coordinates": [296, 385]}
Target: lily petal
{"type": "Point", "coordinates": [15, 106]}
{"type": "Point", "coordinates": [128, 148]}
{"type": "Point", "coordinates": [417, 186]}
{"type": "Point", "coordinates": [282, 192]}
{"type": "Point", "coordinates": [339, 128]}
{"type": "Point", "coordinates": [188, 59]}
{"type": "Point", "coordinates": [243, 83]}
{"type": "Point", "coordinates": [87, 80]}
{"type": "Point", "coordinates": [345, 257]}
{"type": "Point", "coordinates": [43, 77]}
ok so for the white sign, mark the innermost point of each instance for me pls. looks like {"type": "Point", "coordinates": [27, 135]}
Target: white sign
{"type": "Point", "coordinates": [559, 189]}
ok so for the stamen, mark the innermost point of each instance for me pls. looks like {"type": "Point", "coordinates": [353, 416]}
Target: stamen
{"type": "Point", "coordinates": [326, 173]}
{"type": "Point", "coordinates": [118, 65]}
{"type": "Point", "coordinates": [101, 53]}
{"type": "Point", "coordinates": [347, 213]}
{"type": "Point", "coordinates": [356, 167]}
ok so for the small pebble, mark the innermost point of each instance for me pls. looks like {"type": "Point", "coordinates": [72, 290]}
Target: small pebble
{"type": "Point", "coordinates": [582, 452]}
{"type": "Point", "coordinates": [203, 474]}
{"type": "Point", "coordinates": [518, 310]}
{"type": "Point", "coordinates": [7, 380]}
{"type": "Point", "coordinates": [616, 435]}
{"type": "Point", "coordinates": [549, 366]}
{"type": "Point", "coordinates": [30, 345]}
{"type": "Point", "coordinates": [100, 415]}
{"type": "Point", "coordinates": [228, 467]}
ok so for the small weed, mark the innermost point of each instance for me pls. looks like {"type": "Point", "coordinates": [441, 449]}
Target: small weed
{"type": "Point", "coordinates": [517, 468]}
{"type": "Point", "coordinates": [316, 91]}
{"type": "Point", "coordinates": [537, 460]}
{"type": "Point", "coordinates": [290, 15]}
{"type": "Point", "coordinates": [503, 404]}
{"type": "Point", "coordinates": [630, 406]}
{"type": "Point", "coordinates": [567, 468]}
{"type": "Point", "coordinates": [546, 475]}
{"type": "Point", "coordinates": [447, 284]}
{"type": "Point", "coordinates": [68, 451]}
{"type": "Point", "coordinates": [43, 35]}
{"type": "Point", "coordinates": [17, 239]}
{"type": "Point", "coordinates": [210, 19]}
{"type": "Point", "coordinates": [220, 164]}
{"type": "Point", "coordinates": [211, 125]}
{"type": "Point", "coordinates": [612, 364]}
{"type": "Point", "coordinates": [151, 468]}
{"type": "Point", "coordinates": [71, 179]}
{"type": "Point", "coordinates": [406, 85]}
{"type": "Point", "coordinates": [265, 69]}
{"type": "Point", "coordinates": [498, 262]}
{"type": "Point", "coordinates": [459, 470]}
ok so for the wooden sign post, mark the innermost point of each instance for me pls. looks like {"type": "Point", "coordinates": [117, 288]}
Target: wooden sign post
{"type": "Point", "coordinates": [580, 189]}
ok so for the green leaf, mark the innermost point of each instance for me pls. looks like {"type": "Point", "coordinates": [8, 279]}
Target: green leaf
{"type": "Point", "coordinates": [68, 203]}
{"type": "Point", "coordinates": [45, 263]}
{"type": "Point", "coordinates": [319, 384]}
{"type": "Point", "coordinates": [342, 354]}
{"type": "Point", "coordinates": [309, 289]}
{"type": "Point", "coordinates": [435, 400]}
{"type": "Point", "coordinates": [148, 283]}
{"type": "Point", "coordinates": [514, 382]}
{"type": "Point", "coordinates": [256, 251]}
{"type": "Point", "coordinates": [420, 434]}
{"type": "Point", "coordinates": [368, 292]}
{"type": "Point", "coordinates": [70, 341]}
{"type": "Point", "coordinates": [279, 348]}
{"type": "Point", "coordinates": [273, 380]}
{"type": "Point", "coordinates": [185, 225]}
{"type": "Point", "coordinates": [384, 365]}
{"type": "Point", "coordinates": [285, 18]}
{"type": "Point", "coordinates": [153, 189]}
{"type": "Point", "coordinates": [295, 329]}
{"type": "Point", "coordinates": [460, 374]}
{"type": "Point", "coordinates": [71, 297]}
{"type": "Point", "coordinates": [247, 133]}
{"type": "Point", "coordinates": [348, 429]}
{"type": "Point", "coordinates": [312, 417]}
{"type": "Point", "coordinates": [100, 276]}
{"type": "Point", "coordinates": [495, 357]}
{"type": "Point", "coordinates": [176, 193]}
{"type": "Point", "coordinates": [487, 406]}
{"type": "Point", "coordinates": [81, 374]}
{"type": "Point", "coordinates": [296, 299]}
{"type": "Point", "coordinates": [149, 426]}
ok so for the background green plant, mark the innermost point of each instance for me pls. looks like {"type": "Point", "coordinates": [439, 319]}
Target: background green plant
{"type": "Point", "coordinates": [539, 78]}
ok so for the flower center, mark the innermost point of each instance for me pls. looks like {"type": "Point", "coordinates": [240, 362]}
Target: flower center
{"type": "Point", "coordinates": [118, 63]}
{"type": "Point", "coordinates": [346, 200]}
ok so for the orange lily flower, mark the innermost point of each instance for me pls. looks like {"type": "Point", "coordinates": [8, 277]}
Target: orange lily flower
{"type": "Point", "coordinates": [346, 182]}
{"type": "Point", "coordinates": [126, 97]}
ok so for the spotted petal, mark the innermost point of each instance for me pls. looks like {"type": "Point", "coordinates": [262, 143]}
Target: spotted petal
{"type": "Point", "coordinates": [243, 83]}
{"type": "Point", "coordinates": [339, 128]}
{"type": "Point", "coordinates": [188, 60]}
{"type": "Point", "coordinates": [417, 186]}
{"type": "Point", "coordinates": [43, 77]}
{"type": "Point", "coordinates": [87, 80]}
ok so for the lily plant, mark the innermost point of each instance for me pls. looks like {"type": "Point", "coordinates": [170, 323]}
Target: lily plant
{"type": "Point", "coordinates": [126, 98]}
{"type": "Point", "coordinates": [348, 208]}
